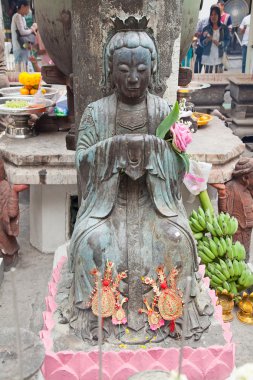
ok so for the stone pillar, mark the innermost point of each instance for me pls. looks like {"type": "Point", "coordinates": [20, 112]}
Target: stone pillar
{"type": "Point", "coordinates": [49, 215]}
{"type": "Point", "coordinates": [91, 22]}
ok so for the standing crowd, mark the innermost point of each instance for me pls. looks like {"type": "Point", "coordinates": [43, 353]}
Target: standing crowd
{"type": "Point", "coordinates": [213, 37]}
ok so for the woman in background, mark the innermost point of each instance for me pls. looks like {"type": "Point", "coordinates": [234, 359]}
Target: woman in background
{"type": "Point", "coordinates": [18, 23]}
{"type": "Point", "coordinates": [214, 39]}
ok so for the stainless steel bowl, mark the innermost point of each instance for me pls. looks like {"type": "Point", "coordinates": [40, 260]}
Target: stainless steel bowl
{"type": "Point", "coordinates": [43, 104]}
{"type": "Point", "coordinates": [21, 122]}
{"type": "Point", "coordinates": [51, 92]}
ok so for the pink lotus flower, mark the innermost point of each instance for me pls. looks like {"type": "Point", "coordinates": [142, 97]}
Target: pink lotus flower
{"type": "Point", "coordinates": [181, 136]}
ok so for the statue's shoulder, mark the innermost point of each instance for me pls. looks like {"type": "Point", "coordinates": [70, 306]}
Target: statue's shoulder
{"type": "Point", "coordinates": [157, 99]}
{"type": "Point", "coordinates": [159, 105]}
{"type": "Point", "coordinates": [102, 103]}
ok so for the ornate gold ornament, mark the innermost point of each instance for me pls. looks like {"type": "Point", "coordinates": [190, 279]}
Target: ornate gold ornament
{"type": "Point", "coordinates": [111, 306]}
{"type": "Point", "coordinates": [167, 302]}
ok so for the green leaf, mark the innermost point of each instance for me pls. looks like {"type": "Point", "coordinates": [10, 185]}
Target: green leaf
{"type": "Point", "coordinates": [165, 125]}
{"type": "Point", "coordinates": [186, 161]}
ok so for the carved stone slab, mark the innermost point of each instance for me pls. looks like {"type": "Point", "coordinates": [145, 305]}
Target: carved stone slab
{"type": "Point", "coordinates": [216, 144]}
{"type": "Point", "coordinates": [45, 149]}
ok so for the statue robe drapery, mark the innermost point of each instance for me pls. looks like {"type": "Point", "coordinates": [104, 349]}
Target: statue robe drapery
{"type": "Point", "coordinates": [104, 161]}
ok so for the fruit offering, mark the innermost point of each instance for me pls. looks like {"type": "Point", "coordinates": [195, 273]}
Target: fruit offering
{"type": "Point", "coordinates": [16, 103]}
{"type": "Point", "coordinates": [201, 118]}
{"type": "Point", "coordinates": [30, 82]}
{"type": "Point", "coordinates": [224, 259]}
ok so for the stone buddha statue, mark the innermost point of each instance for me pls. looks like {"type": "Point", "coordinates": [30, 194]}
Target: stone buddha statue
{"type": "Point", "coordinates": [131, 213]}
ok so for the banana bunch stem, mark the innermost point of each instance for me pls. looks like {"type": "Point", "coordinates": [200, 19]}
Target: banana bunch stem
{"type": "Point", "coordinates": [205, 201]}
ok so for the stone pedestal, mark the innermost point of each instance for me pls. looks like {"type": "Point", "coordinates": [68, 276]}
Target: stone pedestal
{"type": "Point", "coordinates": [216, 144]}
{"type": "Point", "coordinates": [48, 167]}
{"type": "Point", "coordinates": [211, 97]}
{"type": "Point", "coordinates": [241, 88]}
{"type": "Point", "coordinates": [223, 153]}
{"type": "Point", "coordinates": [242, 127]}
{"type": "Point", "coordinates": [241, 91]}
{"type": "Point", "coordinates": [50, 215]}
{"type": "Point", "coordinates": [212, 357]}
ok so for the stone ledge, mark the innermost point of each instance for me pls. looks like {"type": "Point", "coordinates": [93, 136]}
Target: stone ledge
{"type": "Point", "coordinates": [222, 173]}
{"type": "Point", "coordinates": [32, 175]}
{"type": "Point", "coordinates": [215, 143]}
{"type": "Point", "coordinates": [44, 149]}
{"type": "Point", "coordinates": [241, 79]}
{"type": "Point", "coordinates": [248, 121]}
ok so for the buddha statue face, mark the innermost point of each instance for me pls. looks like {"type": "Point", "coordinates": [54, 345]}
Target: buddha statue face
{"type": "Point", "coordinates": [131, 73]}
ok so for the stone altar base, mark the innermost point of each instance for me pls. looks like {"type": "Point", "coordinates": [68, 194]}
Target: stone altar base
{"type": "Point", "coordinates": [210, 358]}
{"type": "Point", "coordinates": [242, 127]}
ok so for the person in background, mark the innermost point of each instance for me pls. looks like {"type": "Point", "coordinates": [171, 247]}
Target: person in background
{"type": "Point", "coordinates": [214, 39]}
{"type": "Point", "coordinates": [226, 20]}
{"type": "Point", "coordinates": [244, 28]}
{"type": "Point", "coordinates": [4, 82]}
{"type": "Point", "coordinates": [39, 50]}
{"type": "Point", "coordinates": [199, 48]}
{"type": "Point", "coordinates": [225, 17]}
{"type": "Point", "coordinates": [18, 22]}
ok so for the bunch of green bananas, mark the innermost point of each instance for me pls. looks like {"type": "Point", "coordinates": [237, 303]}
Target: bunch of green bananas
{"type": "Point", "coordinates": [234, 276]}
{"type": "Point", "coordinates": [211, 248]}
{"type": "Point", "coordinates": [218, 226]}
{"type": "Point", "coordinates": [224, 260]}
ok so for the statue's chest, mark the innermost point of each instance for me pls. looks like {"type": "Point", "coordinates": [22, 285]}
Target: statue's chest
{"type": "Point", "coordinates": [132, 120]}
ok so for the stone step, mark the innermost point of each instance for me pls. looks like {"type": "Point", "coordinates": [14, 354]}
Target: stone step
{"type": "Point", "coordinates": [241, 111]}
{"type": "Point", "coordinates": [241, 130]}
{"type": "Point", "coordinates": [248, 122]}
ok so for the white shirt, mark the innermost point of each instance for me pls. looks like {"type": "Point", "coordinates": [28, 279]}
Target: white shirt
{"type": "Point", "coordinates": [18, 22]}
{"type": "Point", "coordinates": [213, 58]}
{"type": "Point", "coordinates": [245, 23]}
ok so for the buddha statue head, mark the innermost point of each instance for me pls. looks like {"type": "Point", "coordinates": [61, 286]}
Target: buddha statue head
{"type": "Point", "coordinates": [131, 63]}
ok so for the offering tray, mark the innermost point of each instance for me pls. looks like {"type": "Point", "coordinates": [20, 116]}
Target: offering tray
{"type": "Point", "coordinates": [193, 86]}
{"type": "Point", "coordinates": [21, 122]}
{"type": "Point", "coordinates": [51, 92]}
{"type": "Point", "coordinates": [202, 118]}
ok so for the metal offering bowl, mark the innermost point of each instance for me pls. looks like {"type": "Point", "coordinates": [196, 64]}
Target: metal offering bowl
{"type": "Point", "coordinates": [42, 105]}
{"type": "Point", "coordinates": [51, 92]}
{"type": "Point", "coordinates": [21, 122]}
{"type": "Point", "coordinates": [193, 86]}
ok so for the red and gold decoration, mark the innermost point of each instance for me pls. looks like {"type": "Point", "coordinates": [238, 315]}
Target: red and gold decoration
{"type": "Point", "coordinates": [154, 317]}
{"type": "Point", "coordinates": [167, 303]}
{"type": "Point", "coordinates": [111, 305]}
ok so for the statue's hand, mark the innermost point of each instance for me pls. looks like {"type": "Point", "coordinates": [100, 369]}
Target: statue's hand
{"type": "Point", "coordinates": [137, 145]}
